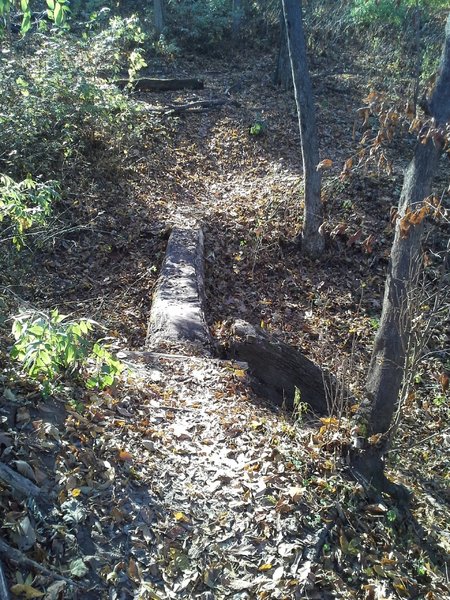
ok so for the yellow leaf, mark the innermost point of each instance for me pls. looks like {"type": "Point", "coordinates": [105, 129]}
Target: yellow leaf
{"type": "Point", "coordinates": [125, 456]}
{"type": "Point", "coordinates": [266, 567]}
{"type": "Point", "coordinates": [180, 516]}
{"type": "Point", "coordinates": [29, 592]}
{"type": "Point", "coordinates": [75, 492]}
{"type": "Point", "coordinates": [239, 372]}
{"type": "Point", "coordinates": [399, 585]}
{"type": "Point", "coordinates": [329, 421]}
{"type": "Point", "coordinates": [327, 163]}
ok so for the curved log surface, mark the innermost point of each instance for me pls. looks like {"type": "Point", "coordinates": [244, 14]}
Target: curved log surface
{"type": "Point", "coordinates": [280, 370]}
{"type": "Point", "coordinates": [177, 317]}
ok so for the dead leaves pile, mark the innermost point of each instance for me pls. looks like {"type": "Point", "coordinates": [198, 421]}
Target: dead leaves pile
{"type": "Point", "coordinates": [180, 484]}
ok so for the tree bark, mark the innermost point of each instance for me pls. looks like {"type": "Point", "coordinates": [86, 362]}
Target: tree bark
{"type": "Point", "coordinates": [283, 73]}
{"type": "Point", "coordinates": [236, 24]}
{"type": "Point", "coordinates": [158, 17]}
{"type": "Point", "coordinates": [313, 242]}
{"type": "Point", "coordinates": [387, 366]}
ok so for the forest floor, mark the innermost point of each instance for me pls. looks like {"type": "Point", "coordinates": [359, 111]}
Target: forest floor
{"type": "Point", "coordinates": [180, 482]}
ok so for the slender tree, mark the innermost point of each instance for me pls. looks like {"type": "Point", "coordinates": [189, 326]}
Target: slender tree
{"type": "Point", "coordinates": [158, 16]}
{"type": "Point", "coordinates": [389, 357]}
{"type": "Point", "coordinates": [283, 74]}
{"type": "Point", "coordinates": [312, 239]}
{"type": "Point", "coordinates": [236, 25]}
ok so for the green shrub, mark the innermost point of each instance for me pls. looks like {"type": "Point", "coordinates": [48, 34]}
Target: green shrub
{"type": "Point", "coordinates": [56, 105]}
{"type": "Point", "coordinates": [24, 204]}
{"type": "Point", "coordinates": [199, 24]}
{"type": "Point", "coordinates": [388, 12]}
{"type": "Point", "coordinates": [50, 346]}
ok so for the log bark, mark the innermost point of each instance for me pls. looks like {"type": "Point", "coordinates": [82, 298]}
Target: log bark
{"type": "Point", "coordinates": [177, 317]}
{"type": "Point", "coordinates": [18, 482]}
{"type": "Point", "coordinates": [280, 369]}
{"type": "Point", "coordinates": [147, 84]}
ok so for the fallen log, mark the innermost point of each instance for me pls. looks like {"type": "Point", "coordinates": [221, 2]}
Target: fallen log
{"type": "Point", "coordinates": [280, 370]}
{"type": "Point", "coordinates": [13, 555]}
{"type": "Point", "coordinates": [176, 317]}
{"type": "Point", "coordinates": [147, 84]}
{"type": "Point", "coordinates": [195, 106]}
{"type": "Point", "coordinates": [18, 482]}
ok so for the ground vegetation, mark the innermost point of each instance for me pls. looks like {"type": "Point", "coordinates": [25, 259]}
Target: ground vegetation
{"type": "Point", "coordinates": [162, 475]}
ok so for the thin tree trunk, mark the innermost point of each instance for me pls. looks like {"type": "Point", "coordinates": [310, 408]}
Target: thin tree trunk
{"type": "Point", "coordinates": [312, 240]}
{"type": "Point", "coordinates": [389, 355]}
{"type": "Point", "coordinates": [158, 16]}
{"type": "Point", "coordinates": [283, 73]}
{"type": "Point", "coordinates": [236, 25]}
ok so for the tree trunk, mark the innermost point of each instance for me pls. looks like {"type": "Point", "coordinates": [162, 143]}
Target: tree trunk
{"type": "Point", "coordinates": [283, 73]}
{"type": "Point", "coordinates": [236, 25]}
{"type": "Point", "coordinates": [158, 16]}
{"type": "Point", "coordinates": [389, 355]}
{"type": "Point", "coordinates": [312, 240]}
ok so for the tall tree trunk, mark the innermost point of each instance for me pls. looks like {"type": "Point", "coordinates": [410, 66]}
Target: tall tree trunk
{"type": "Point", "coordinates": [283, 73]}
{"type": "Point", "coordinates": [236, 24]}
{"type": "Point", "coordinates": [389, 355]}
{"type": "Point", "coordinates": [312, 240]}
{"type": "Point", "coordinates": [158, 16]}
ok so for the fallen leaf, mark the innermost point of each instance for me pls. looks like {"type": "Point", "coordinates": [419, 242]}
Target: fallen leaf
{"type": "Point", "coordinates": [125, 456]}
{"type": "Point", "coordinates": [296, 493]}
{"type": "Point", "coordinates": [180, 516]}
{"type": "Point", "coordinates": [27, 591]}
{"type": "Point", "coordinates": [327, 163]}
{"type": "Point", "coordinates": [78, 568]}
{"type": "Point", "coordinates": [24, 469]}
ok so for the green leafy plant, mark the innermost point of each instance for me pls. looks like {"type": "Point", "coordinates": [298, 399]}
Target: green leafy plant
{"type": "Point", "coordinates": [137, 63]}
{"type": "Point", "coordinates": [50, 346]}
{"type": "Point", "coordinates": [300, 408]}
{"type": "Point", "coordinates": [57, 11]}
{"type": "Point", "coordinates": [257, 128]}
{"type": "Point", "coordinates": [25, 203]}
{"type": "Point", "coordinates": [55, 109]}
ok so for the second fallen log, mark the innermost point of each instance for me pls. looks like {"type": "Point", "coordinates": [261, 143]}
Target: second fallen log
{"type": "Point", "coordinates": [148, 84]}
{"type": "Point", "coordinates": [280, 370]}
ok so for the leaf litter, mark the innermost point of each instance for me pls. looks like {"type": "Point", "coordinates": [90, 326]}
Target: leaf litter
{"type": "Point", "coordinates": [179, 482]}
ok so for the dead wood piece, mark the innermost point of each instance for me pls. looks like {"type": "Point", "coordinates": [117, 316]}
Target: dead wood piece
{"type": "Point", "coordinates": [147, 84]}
{"type": "Point", "coordinates": [4, 593]}
{"type": "Point", "coordinates": [280, 369]}
{"type": "Point", "coordinates": [18, 482]}
{"type": "Point", "coordinates": [177, 316]}
{"type": "Point", "coordinates": [12, 554]}
{"type": "Point", "coordinates": [196, 105]}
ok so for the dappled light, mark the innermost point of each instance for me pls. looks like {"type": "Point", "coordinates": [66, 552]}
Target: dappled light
{"type": "Point", "coordinates": [224, 299]}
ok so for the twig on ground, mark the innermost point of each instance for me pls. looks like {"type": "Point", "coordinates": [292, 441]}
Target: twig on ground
{"type": "Point", "coordinates": [18, 482]}
{"type": "Point", "coordinates": [4, 593]}
{"type": "Point", "coordinates": [12, 554]}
